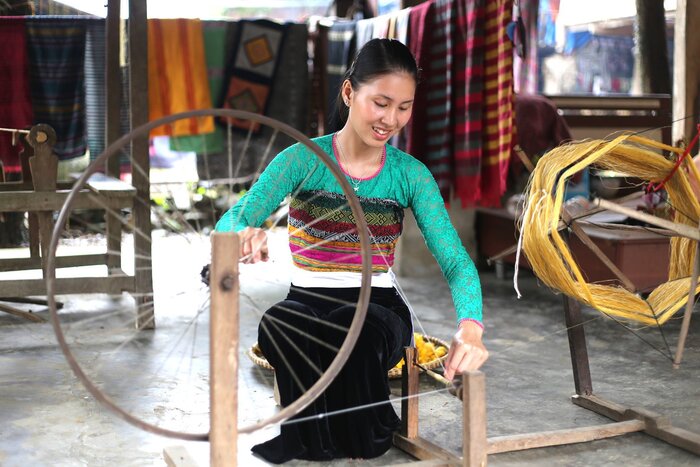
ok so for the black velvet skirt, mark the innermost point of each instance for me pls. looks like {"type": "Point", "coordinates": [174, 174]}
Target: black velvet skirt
{"type": "Point", "coordinates": [300, 336]}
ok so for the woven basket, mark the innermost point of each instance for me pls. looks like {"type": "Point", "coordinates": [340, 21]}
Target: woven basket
{"type": "Point", "coordinates": [255, 354]}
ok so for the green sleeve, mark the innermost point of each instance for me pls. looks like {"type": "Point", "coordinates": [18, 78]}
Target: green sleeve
{"type": "Point", "coordinates": [281, 177]}
{"type": "Point", "coordinates": [458, 268]}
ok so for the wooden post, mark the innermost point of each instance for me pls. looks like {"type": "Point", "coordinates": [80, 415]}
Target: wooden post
{"type": "Point", "coordinates": [113, 90]}
{"type": "Point", "coordinates": [686, 69]}
{"type": "Point", "coordinates": [409, 390]}
{"type": "Point", "coordinates": [138, 87]}
{"type": "Point", "coordinates": [577, 347]}
{"type": "Point", "coordinates": [475, 445]}
{"type": "Point", "coordinates": [688, 308]}
{"type": "Point", "coordinates": [223, 335]}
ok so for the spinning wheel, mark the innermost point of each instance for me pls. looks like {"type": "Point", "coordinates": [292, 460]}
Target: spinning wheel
{"type": "Point", "coordinates": [179, 247]}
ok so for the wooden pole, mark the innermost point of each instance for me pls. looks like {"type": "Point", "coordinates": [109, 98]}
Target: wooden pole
{"type": "Point", "coordinates": [688, 308]}
{"type": "Point", "coordinates": [475, 444]}
{"type": "Point", "coordinates": [224, 336]}
{"type": "Point", "coordinates": [409, 390]}
{"type": "Point", "coordinates": [113, 89]}
{"type": "Point", "coordinates": [138, 91]}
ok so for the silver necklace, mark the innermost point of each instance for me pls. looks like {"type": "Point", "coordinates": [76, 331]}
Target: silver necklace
{"type": "Point", "coordinates": [354, 181]}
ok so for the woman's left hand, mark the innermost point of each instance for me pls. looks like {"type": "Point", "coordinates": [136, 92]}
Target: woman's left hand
{"type": "Point", "coordinates": [467, 351]}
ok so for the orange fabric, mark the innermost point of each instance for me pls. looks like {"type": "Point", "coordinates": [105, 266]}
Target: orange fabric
{"type": "Point", "coordinates": [177, 75]}
{"type": "Point", "coordinates": [248, 96]}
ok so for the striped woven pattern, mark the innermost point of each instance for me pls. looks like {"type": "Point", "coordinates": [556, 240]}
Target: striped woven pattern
{"type": "Point", "coordinates": [56, 48]}
{"type": "Point", "coordinates": [469, 99]}
{"type": "Point", "coordinates": [323, 237]}
{"type": "Point", "coordinates": [177, 75]}
{"type": "Point", "coordinates": [439, 99]}
{"type": "Point", "coordinates": [498, 102]}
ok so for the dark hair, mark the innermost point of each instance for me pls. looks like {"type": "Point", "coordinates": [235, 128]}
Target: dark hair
{"type": "Point", "coordinates": [376, 58]}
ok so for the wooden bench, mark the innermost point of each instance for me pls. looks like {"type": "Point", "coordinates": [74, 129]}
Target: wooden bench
{"type": "Point", "coordinates": [41, 195]}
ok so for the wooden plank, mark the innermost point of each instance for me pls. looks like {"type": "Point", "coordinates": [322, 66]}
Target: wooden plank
{"type": "Point", "coordinates": [179, 456]}
{"type": "Point", "coordinates": [223, 365]}
{"type": "Point", "coordinates": [542, 439]}
{"type": "Point", "coordinates": [680, 229]}
{"type": "Point", "coordinates": [80, 285]}
{"type": "Point", "coordinates": [600, 406]}
{"type": "Point", "coordinates": [25, 201]}
{"type": "Point", "coordinates": [656, 425]}
{"type": "Point", "coordinates": [409, 392]}
{"type": "Point", "coordinates": [138, 94]}
{"type": "Point", "coordinates": [24, 264]}
{"type": "Point", "coordinates": [422, 449]}
{"type": "Point", "coordinates": [475, 446]}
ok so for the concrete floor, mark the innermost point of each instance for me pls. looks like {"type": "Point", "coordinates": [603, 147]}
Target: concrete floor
{"type": "Point", "coordinates": [49, 419]}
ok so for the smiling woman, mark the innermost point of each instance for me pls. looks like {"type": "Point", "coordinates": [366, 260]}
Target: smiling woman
{"type": "Point", "coordinates": [374, 104]}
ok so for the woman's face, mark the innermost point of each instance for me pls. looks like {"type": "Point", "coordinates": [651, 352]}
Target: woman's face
{"type": "Point", "coordinates": [381, 107]}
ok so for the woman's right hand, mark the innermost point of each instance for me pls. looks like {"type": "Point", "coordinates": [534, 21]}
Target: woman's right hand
{"type": "Point", "coordinates": [253, 245]}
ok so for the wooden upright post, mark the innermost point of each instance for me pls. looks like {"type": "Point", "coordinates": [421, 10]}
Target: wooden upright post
{"type": "Point", "coordinates": [475, 443]}
{"type": "Point", "coordinates": [409, 389]}
{"type": "Point", "coordinates": [577, 347]}
{"type": "Point", "coordinates": [223, 335]}
{"type": "Point", "coordinates": [113, 90]}
{"type": "Point", "coordinates": [138, 92]}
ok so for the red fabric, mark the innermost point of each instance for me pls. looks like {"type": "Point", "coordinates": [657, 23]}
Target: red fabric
{"type": "Point", "coordinates": [15, 104]}
{"type": "Point", "coordinates": [468, 76]}
{"type": "Point", "coordinates": [498, 102]}
{"type": "Point", "coordinates": [415, 133]}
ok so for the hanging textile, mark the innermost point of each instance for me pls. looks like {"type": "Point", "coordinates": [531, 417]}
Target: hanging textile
{"type": "Point", "coordinates": [15, 104]}
{"type": "Point", "coordinates": [56, 50]}
{"type": "Point", "coordinates": [289, 99]}
{"type": "Point", "coordinates": [251, 71]}
{"type": "Point", "coordinates": [95, 98]}
{"type": "Point", "coordinates": [318, 31]}
{"type": "Point", "coordinates": [470, 18]}
{"type": "Point", "coordinates": [398, 25]}
{"type": "Point", "coordinates": [215, 37]}
{"type": "Point", "coordinates": [363, 32]}
{"type": "Point", "coordinates": [341, 51]}
{"type": "Point", "coordinates": [420, 20]}
{"type": "Point", "coordinates": [177, 75]}
{"type": "Point", "coordinates": [438, 155]}
{"type": "Point", "coordinates": [498, 102]}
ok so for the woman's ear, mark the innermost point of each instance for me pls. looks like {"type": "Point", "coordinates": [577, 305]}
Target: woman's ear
{"type": "Point", "coordinates": [346, 92]}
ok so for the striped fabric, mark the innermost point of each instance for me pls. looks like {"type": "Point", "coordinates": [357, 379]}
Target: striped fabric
{"type": "Point", "coordinates": [15, 104]}
{"type": "Point", "coordinates": [498, 102]}
{"type": "Point", "coordinates": [177, 77]}
{"type": "Point", "coordinates": [341, 50]}
{"type": "Point", "coordinates": [215, 36]}
{"type": "Point", "coordinates": [56, 47]}
{"type": "Point", "coordinates": [322, 234]}
{"type": "Point", "coordinates": [469, 100]}
{"type": "Point", "coordinates": [439, 98]}
{"type": "Point", "coordinates": [95, 98]}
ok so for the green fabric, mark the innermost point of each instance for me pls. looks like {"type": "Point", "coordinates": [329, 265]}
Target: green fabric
{"type": "Point", "coordinates": [215, 34]}
{"type": "Point", "coordinates": [403, 179]}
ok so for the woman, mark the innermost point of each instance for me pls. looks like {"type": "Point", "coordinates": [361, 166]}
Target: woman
{"type": "Point", "coordinates": [374, 103]}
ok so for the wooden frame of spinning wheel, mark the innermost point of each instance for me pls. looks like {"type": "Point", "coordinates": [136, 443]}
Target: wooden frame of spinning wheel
{"type": "Point", "coordinates": [477, 446]}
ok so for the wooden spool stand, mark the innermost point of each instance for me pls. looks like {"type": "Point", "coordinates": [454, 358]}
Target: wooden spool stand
{"type": "Point", "coordinates": [476, 445]}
